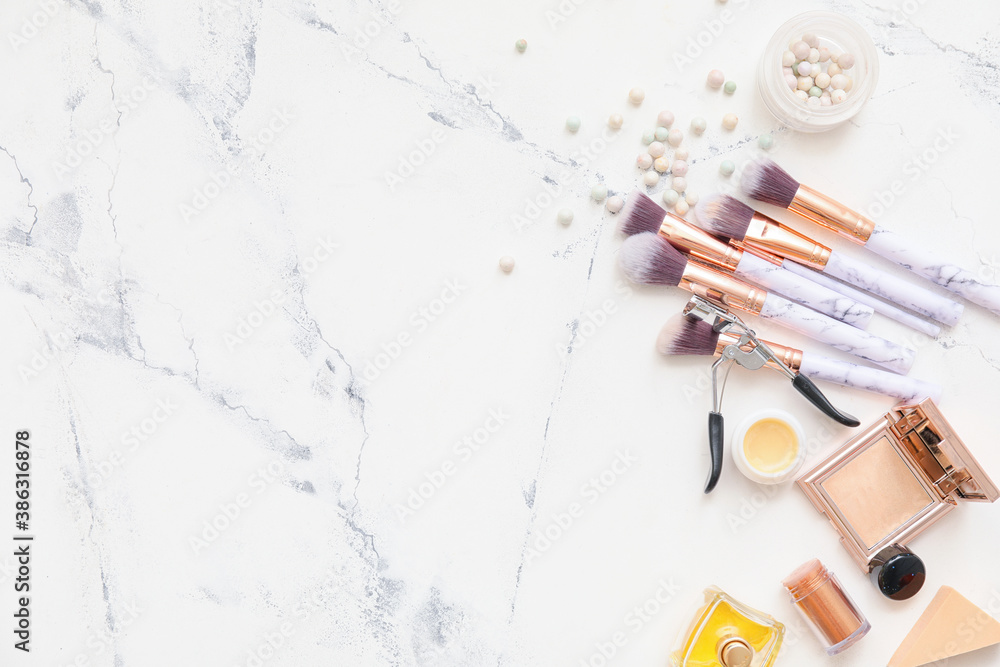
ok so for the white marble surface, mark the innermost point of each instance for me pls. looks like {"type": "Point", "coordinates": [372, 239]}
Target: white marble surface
{"type": "Point", "coordinates": [203, 258]}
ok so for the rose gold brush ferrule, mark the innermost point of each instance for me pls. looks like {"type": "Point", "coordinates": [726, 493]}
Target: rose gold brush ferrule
{"type": "Point", "coordinates": [699, 243]}
{"type": "Point", "coordinates": [711, 284]}
{"type": "Point", "coordinates": [757, 252]}
{"type": "Point", "coordinates": [833, 215]}
{"type": "Point", "coordinates": [771, 236]}
{"type": "Point", "coordinates": [788, 355]}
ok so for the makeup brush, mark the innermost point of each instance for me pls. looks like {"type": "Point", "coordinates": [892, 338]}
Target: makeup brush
{"type": "Point", "coordinates": [730, 218]}
{"type": "Point", "coordinates": [650, 259]}
{"type": "Point", "coordinates": [642, 214]}
{"type": "Point", "coordinates": [767, 182]}
{"type": "Point", "coordinates": [686, 336]}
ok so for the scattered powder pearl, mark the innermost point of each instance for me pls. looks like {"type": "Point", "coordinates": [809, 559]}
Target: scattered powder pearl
{"type": "Point", "coordinates": [823, 80]}
{"type": "Point", "coordinates": [651, 178]}
{"type": "Point", "coordinates": [698, 125]}
{"type": "Point", "coordinates": [599, 192]}
{"type": "Point", "coordinates": [614, 204]}
{"type": "Point", "coordinates": [850, 84]}
{"type": "Point", "coordinates": [815, 91]}
{"type": "Point", "coordinates": [730, 87]}
{"type": "Point", "coordinates": [838, 81]}
{"type": "Point", "coordinates": [644, 161]}
{"type": "Point", "coordinates": [727, 167]}
{"type": "Point", "coordinates": [813, 56]}
{"type": "Point", "coordinates": [661, 164]}
{"type": "Point", "coordinates": [824, 101]}
{"type": "Point", "coordinates": [636, 96]}
{"type": "Point", "coordinates": [801, 94]}
{"type": "Point", "coordinates": [665, 119]}
{"type": "Point", "coordinates": [679, 184]}
{"type": "Point", "coordinates": [675, 137]}
{"type": "Point", "coordinates": [834, 69]}
{"type": "Point", "coordinates": [787, 59]}
{"type": "Point", "coordinates": [804, 68]}
{"type": "Point", "coordinates": [679, 168]}
{"type": "Point", "coordinates": [656, 149]}
{"type": "Point", "coordinates": [506, 263]}
{"type": "Point", "coordinates": [730, 120]}
{"type": "Point", "coordinates": [573, 123]}
{"type": "Point", "coordinates": [661, 133]}
{"type": "Point", "coordinates": [811, 39]}
{"type": "Point", "coordinates": [813, 101]}
{"type": "Point", "coordinates": [801, 50]}
{"type": "Point", "coordinates": [805, 82]}
{"type": "Point", "coordinates": [838, 96]}
{"type": "Point", "coordinates": [615, 121]}
{"type": "Point", "coordinates": [834, 56]}
{"type": "Point", "coordinates": [792, 82]}
{"type": "Point", "coordinates": [846, 61]}
{"type": "Point", "coordinates": [681, 207]}
{"type": "Point", "coordinates": [648, 137]}
{"type": "Point", "coordinates": [565, 216]}
{"type": "Point", "coordinates": [670, 197]}
{"type": "Point", "coordinates": [521, 45]}
{"type": "Point", "coordinates": [824, 54]}
{"type": "Point", "coordinates": [716, 78]}
{"type": "Point", "coordinates": [681, 154]}
{"type": "Point", "coordinates": [765, 141]}
{"type": "Point", "coordinates": [787, 70]}
{"type": "Point", "coordinates": [691, 198]}
{"type": "Point", "coordinates": [816, 69]}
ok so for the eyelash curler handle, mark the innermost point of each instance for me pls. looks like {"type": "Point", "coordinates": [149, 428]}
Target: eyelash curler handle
{"type": "Point", "coordinates": [806, 387]}
{"type": "Point", "coordinates": [715, 446]}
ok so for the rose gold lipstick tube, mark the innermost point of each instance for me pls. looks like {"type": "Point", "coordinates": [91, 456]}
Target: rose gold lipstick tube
{"type": "Point", "coordinates": [700, 244]}
{"type": "Point", "coordinates": [833, 215]}
{"type": "Point", "coordinates": [769, 235]}
{"type": "Point", "coordinates": [723, 288]}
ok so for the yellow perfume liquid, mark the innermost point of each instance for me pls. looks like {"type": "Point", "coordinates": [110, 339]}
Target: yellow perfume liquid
{"type": "Point", "coordinates": [727, 633]}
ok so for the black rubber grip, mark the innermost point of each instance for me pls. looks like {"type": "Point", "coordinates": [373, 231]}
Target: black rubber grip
{"type": "Point", "coordinates": [715, 440]}
{"type": "Point", "coordinates": [816, 397]}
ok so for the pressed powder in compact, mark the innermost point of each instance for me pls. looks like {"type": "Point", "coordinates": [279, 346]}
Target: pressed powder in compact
{"type": "Point", "coordinates": [889, 484]}
{"type": "Point", "coordinates": [827, 608]}
{"type": "Point", "coordinates": [768, 446]}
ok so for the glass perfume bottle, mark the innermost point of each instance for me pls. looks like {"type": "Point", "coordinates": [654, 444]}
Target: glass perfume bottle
{"type": "Point", "coordinates": [727, 633]}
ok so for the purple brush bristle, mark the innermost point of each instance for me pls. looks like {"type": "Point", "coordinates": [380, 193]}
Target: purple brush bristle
{"type": "Point", "coordinates": [724, 216]}
{"type": "Point", "coordinates": [765, 181]}
{"type": "Point", "coordinates": [641, 214]}
{"type": "Point", "coordinates": [649, 259]}
{"type": "Point", "coordinates": [683, 335]}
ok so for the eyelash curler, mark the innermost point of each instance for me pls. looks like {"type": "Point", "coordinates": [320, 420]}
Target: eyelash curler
{"type": "Point", "coordinates": [751, 353]}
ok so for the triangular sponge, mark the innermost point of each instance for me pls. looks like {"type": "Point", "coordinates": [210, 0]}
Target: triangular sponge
{"type": "Point", "coordinates": [950, 626]}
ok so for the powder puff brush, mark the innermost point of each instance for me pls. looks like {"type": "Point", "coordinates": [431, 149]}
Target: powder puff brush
{"type": "Point", "coordinates": [732, 219]}
{"type": "Point", "coordinates": [650, 259]}
{"type": "Point", "coordinates": [682, 335]}
{"type": "Point", "coordinates": [749, 352]}
{"type": "Point", "coordinates": [767, 182]}
{"type": "Point", "coordinates": [642, 214]}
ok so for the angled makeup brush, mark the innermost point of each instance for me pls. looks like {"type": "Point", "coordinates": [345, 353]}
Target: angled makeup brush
{"type": "Point", "coordinates": [767, 182]}
{"type": "Point", "coordinates": [650, 259]}
{"type": "Point", "coordinates": [642, 214]}
{"type": "Point", "coordinates": [686, 336]}
{"type": "Point", "coordinates": [732, 219]}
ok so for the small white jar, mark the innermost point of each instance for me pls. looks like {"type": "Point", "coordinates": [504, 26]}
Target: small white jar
{"type": "Point", "coordinates": [769, 446]}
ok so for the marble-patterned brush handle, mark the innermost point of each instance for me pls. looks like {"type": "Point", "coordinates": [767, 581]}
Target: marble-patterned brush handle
{"type": "Point", "coordinates": [964, 283]}
{"type": "Point", "coordinates": [900, 292]}
{"type": "Point", "coordinates": [836, 334]}
{"type": "Point", "coordinates": [881, 307]}
{"type": "Point", "coordinates": [846, 374]}
{"type": "Point", "coordinates": [775, 279]}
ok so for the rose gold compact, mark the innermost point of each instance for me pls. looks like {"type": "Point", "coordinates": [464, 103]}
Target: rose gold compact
{"type": "Point", "coordinates": [889, 484]}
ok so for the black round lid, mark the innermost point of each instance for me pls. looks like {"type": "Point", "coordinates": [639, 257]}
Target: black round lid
{"type": "Point", "coordinates": [898, 573]}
